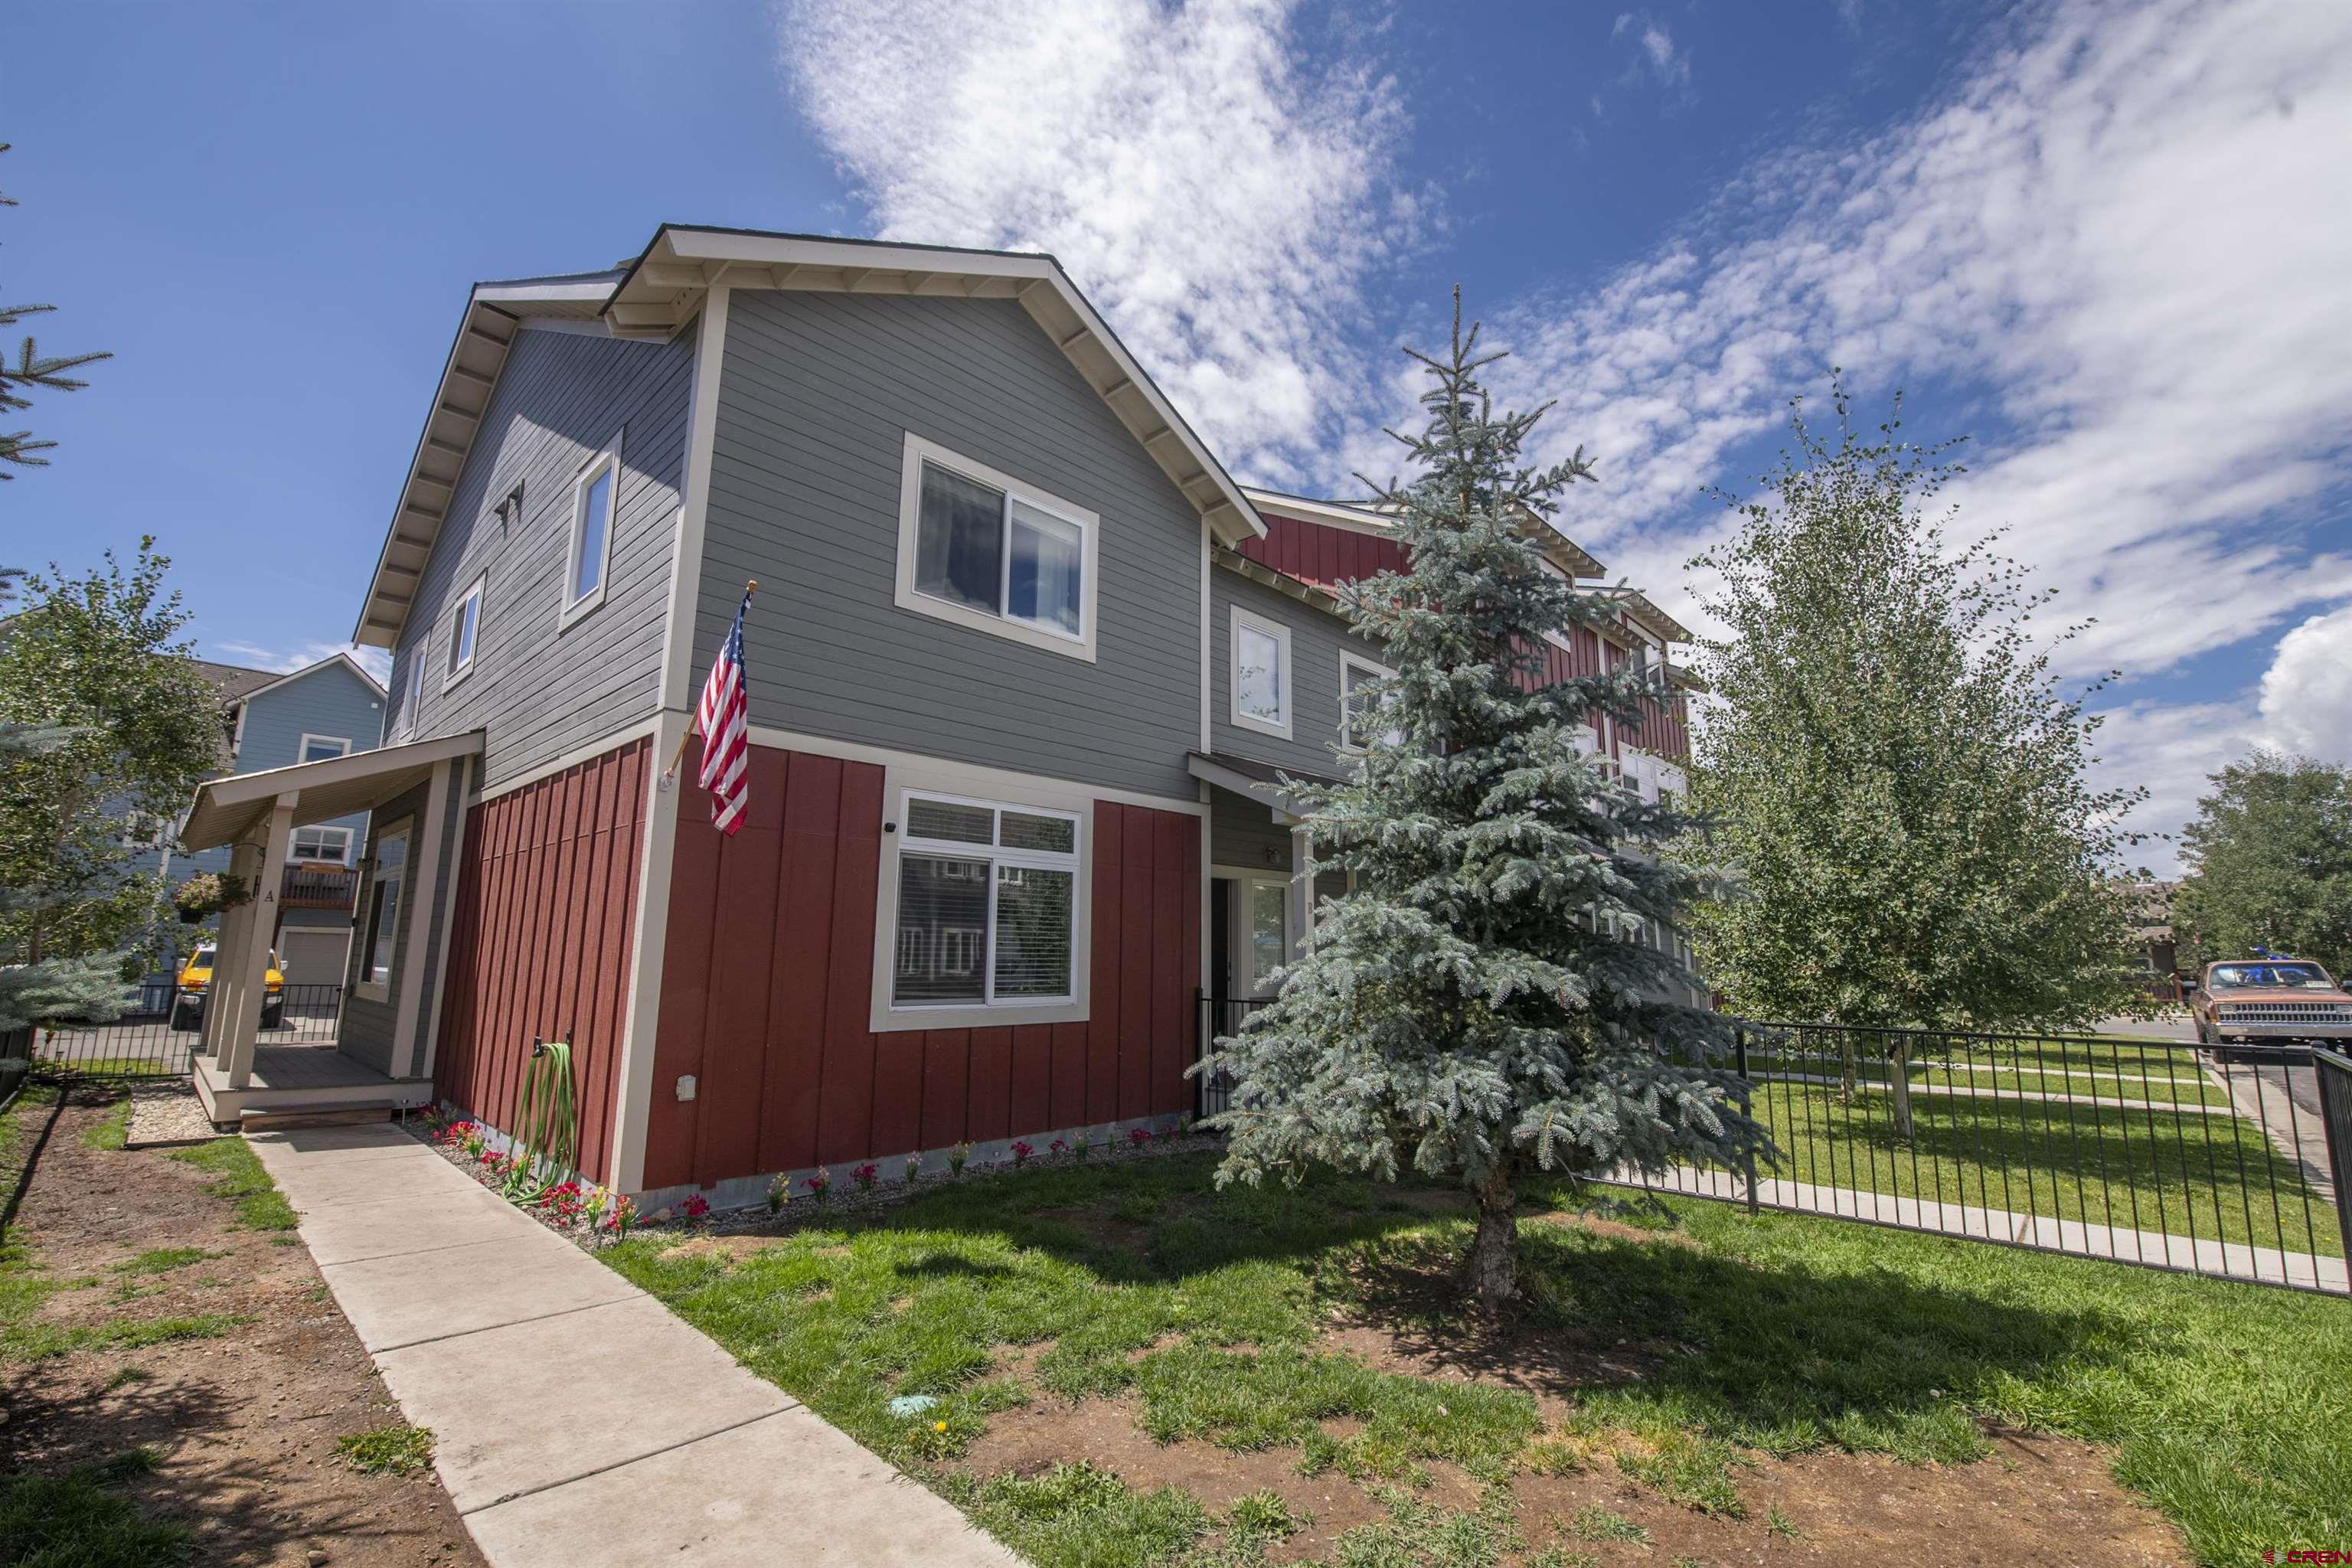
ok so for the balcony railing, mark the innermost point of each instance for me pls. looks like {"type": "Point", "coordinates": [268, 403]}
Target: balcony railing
{"type": "Point", "coordinates": [318, 885]}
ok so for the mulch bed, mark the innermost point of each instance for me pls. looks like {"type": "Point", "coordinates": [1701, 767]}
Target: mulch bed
{"type": "Point", "coordinates": [243, 1426]}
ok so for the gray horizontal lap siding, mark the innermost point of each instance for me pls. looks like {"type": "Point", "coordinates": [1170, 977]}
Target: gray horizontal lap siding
{"type": "Point", "coordinates": [1317, 639]}
{"type": "Point", "coordinates": [1243, 833]}
{"type": "Point", "coordinates": [540, 695]}
{"type": "Point", "coordinates": [816, 395]}
{"type": "Point", "coordinates": [332, 702]}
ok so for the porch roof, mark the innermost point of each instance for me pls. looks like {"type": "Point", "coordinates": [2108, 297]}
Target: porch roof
{"type": "Point", "coordinates": [228, 809]}
{"type": "Point", "coordinates": [1248, 777]}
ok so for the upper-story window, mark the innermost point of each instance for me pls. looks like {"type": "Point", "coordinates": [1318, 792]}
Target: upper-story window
{"type": "Point", "coordinates": [413, 691]}
{"type": "Point", "coordinates": [322, 843]}
{"type": "Point", "coordinates": [465, 627]}
{"type": "Point", "coordinates": [1261, 657]}
{"type": "Point", "coordinates": [320, 748]}
{"type": "Point", "coordinates": [1359, 707]}
{"type": "Point", "coordinates": [995, 554]}
{"type": "Point", "coordinates": [590, 554]}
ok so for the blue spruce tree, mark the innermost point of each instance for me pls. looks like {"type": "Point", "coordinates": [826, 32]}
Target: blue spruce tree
{"type": "Point", "coordinates": [1480, 1006]}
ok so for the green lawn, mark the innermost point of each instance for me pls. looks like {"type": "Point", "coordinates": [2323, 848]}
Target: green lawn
{"type": "Point", "coordinates": [1773, 1335]}
{"type": "Point", "coordinates": [2207, 1174]}
{"type": "Point", "coordinates": [2098, 1070]}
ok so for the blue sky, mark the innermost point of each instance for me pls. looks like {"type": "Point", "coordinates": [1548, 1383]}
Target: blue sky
{"type": "Point", "coordinates": [2097, 238]}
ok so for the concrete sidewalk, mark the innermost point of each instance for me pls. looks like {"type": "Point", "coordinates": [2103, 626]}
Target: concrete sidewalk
{"type": "Point", "coordinates": [576, 1422]}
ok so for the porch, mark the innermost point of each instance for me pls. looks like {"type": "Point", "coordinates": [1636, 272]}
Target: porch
{"type": "Point", "coordinates": [264, 1054]}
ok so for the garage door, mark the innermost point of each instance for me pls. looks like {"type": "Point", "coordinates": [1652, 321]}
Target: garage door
{"type": "Point", "coordinates": [313, 957]}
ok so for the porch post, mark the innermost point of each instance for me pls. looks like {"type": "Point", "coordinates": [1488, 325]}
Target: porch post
{"type": "Point", "coordinates": [1302, 888]}
{"type": "Point", "coordinates": [228, 951]}
{"type": "Point", "coordinates": [424, 919]}
{"type": "Point", "coordinates": [244, 1017]}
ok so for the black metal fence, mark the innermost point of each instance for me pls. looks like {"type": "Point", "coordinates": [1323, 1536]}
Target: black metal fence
{"type": "Point", "coordinates": [161, 1028]}
{"type": "Point", "coordinates": [2234, 1162]}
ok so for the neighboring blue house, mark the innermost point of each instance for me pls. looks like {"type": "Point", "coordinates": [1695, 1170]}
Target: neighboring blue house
{"type": "Point", "coordinates": [330, 709]}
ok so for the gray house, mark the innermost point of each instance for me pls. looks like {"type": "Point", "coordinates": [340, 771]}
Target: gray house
{"type": "Point", "coordinates": [1024, 662]}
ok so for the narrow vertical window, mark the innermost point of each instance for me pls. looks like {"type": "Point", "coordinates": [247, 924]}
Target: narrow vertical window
{"type": "Point", "coordinates": [464, 628]}
{"type": "Point", "coordinates": [1360, 708]}
{"type": "Point", "coordinates": [387, 881]}
{"type": "Point", "coordinates": [1261, 657]}
{"type": "Point", "coordinates": [588, 560]}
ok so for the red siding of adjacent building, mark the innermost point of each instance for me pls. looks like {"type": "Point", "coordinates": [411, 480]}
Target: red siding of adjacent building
{"type": "Point", "coordinates": [540, 942]}
{"type": "Point", "coordinates": [1322, 555]}
{"type": "Point", "coordinates": [1326, 556]}
{"type": "Point", "coordinates": [768, 972]}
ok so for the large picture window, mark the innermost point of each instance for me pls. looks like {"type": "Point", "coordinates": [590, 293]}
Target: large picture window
{"type": "Point", "coordinates": [987, 905]}
{"type": "Point", "coordinates": [985, 550]}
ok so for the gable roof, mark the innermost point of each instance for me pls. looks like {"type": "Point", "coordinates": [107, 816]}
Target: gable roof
{"type": "Point", "coordinates": [234, 682]}
{"type": "Point", "coordinates": [337, 657]}
{"type": "Point", "coordinates": [656, 295]}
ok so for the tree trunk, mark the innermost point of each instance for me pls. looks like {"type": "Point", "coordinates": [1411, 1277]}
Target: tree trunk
{"type": "Point", "coordinates": [1898, 1061]}
{"type": "Point", "coordinates": [1492, 1272]}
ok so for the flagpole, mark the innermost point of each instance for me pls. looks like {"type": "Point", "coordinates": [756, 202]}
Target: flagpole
{"type": "Point", "coordinates": [751, 588]}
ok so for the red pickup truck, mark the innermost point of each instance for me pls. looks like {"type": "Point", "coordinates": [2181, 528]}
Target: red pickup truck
{"type": "Point", "coordinates": [2270, 1001]}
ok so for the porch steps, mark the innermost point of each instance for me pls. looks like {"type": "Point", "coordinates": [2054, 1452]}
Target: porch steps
{"type": "Point", "coordinates": [279, 1121]}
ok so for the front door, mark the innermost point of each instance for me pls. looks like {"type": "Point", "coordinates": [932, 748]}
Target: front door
{"type": "Point", "coordinates": [1265, 926]}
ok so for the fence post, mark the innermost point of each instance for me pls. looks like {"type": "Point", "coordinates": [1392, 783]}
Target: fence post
{"type": "Point", "coordinates": [1740, 1060]}
{"type": "Point", "coordinates": [2334, 1076]}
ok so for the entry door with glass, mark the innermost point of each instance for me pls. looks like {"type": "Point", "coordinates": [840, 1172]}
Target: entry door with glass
{"type": "Point", "coordinates": [1265, 928]}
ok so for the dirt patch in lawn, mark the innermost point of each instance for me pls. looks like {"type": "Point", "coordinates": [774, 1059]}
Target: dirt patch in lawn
{"type": "Point", "coordinates": [2038, 1502]}
{"type": "Point", "coordinates": [1614, 1229]}
{"type": "Point", "coordinates": [243, 1424]}
{"type": "Point", "coordinates": [1411, 1319]}
{"type": "Point", "coordinates": [1101, 1229]}
{"type": "Point", "coordinates": [1034, 1439]}
{"type": "Point", "coordinates": [734, 1249]}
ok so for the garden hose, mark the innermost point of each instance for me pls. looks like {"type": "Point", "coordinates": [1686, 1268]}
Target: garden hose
{"type": "Point", "coordinates": [546, 1144]}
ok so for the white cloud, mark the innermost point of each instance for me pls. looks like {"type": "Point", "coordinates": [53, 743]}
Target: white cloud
{"type": "Point", "coordinates": [1224, 193]}
{"type": "Point", "coordinates": [1667, 66]}
{"type": "Point", "coordinates": [376, 661]}
{"type": "Point", "coordinates": [2308, 692]}
{"type": "Point", "coordinates": [2111, 222]}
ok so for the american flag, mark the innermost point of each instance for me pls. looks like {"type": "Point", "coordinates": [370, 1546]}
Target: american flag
{"type": "Point", "coordinates": [724, 719]}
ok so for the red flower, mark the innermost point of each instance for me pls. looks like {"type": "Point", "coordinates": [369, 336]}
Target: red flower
{"type": "Point", "coordinates": [1138, 1136]}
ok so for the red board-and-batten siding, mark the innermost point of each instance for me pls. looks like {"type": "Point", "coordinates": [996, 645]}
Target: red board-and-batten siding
{"type": "Point", "coordinates": [767, 978]}
{"type": "Point", "coordinates": [1326, 556]}
{"type": "Point", "coordinates": [540, 942]}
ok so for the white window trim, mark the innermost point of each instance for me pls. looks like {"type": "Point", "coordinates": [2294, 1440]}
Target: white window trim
{"type": "Point", "coordinates": [343, 856]}
{"type": "Point", "coordinates": [403, 829]}
{"type": "Point", "coordinates": [476, 594]}
{"type": "Point", "coordinates": [412, 698]}
{"type": "Point", "coordinates": [954, 782]}
{"type": "Point", "coordinates": [910, 508]}
{"type": "Point", "coordinates": [606, 461]}
{"type": "Point", "coordinates": [1289, 677]}
{"type": "Point", "coordinates": [1357, 661]}
{"type": "Point", "coordinates": [301, 749]}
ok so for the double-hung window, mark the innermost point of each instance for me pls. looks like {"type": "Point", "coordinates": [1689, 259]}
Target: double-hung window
{"type": "Point", "coordinates": [987, 550]}
{"type": "Point", "coordinates": [319, 844]}
{"type": "Point", "coordinates": [1261, 657]}
{"type": "Point", "coordinates": [1360, 708]}
{"type": "Point", "coordinates": [465, 627]}
{"type": "Point", "coordinates": [987, 905]}
{"type": "Point", "coordinates": [589, 555]}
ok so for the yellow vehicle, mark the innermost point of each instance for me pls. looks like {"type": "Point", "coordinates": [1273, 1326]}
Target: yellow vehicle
{"type": "Point", "coordinates": [196, 976]}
